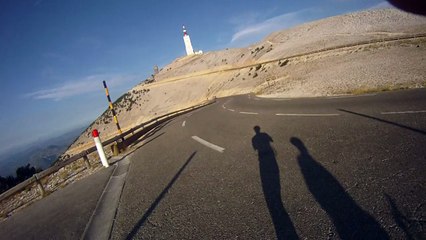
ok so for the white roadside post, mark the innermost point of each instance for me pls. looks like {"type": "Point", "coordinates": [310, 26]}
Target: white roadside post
{"type": "Point", "coordinates": [100, 148]}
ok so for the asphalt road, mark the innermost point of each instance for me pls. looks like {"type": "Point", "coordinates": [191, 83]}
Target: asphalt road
{"type": "Point", "coordinates": [61, 215]}
{"type": "Point", "coordinates": [317, 168]}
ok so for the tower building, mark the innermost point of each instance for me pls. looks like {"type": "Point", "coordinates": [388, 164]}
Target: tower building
{"type": "Point", "coordinates": [187, 41]}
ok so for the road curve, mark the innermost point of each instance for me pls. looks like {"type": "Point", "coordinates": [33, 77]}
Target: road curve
{"type": "Point", "coordinates": [316, 168]}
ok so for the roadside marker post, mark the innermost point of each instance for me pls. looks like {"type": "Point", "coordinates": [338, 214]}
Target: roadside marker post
{"type": "Point", "coordinates": [111, 106]}
{"type": "Point", "coordinates": [100, 148]}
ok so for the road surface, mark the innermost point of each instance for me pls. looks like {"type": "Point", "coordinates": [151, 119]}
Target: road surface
{"type": "Point", "coordinates": [338, 167]}
{"type": "Point", "coordinates": [348, 167]}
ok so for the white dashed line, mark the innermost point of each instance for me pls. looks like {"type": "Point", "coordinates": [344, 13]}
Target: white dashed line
{"type": "Point", "coordinates": [281, 99]}
{"type": "Point", "coordinates": [183, 124]}
{"type": "Point", "coordinates": [253, 113]}
{"type": "Point", "coordinates": [308, 114]}
{"type": "Point", "coordinates": [404, 112]}
{"type": "Point", "coordinates": [223, 106]}
{"type": "Point", "coordinates": [232, 110]}
{"type": "Point", "coordinates": [208, 144]}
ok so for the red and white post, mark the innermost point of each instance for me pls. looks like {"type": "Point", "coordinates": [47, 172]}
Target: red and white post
{"type": "Point", "coordinates": [100, 148]}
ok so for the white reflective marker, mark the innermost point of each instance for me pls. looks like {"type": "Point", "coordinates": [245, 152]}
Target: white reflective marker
{"type": "Point", "coordinates": [100, 148]}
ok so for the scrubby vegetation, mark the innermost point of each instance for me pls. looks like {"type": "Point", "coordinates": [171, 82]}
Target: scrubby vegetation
{"type": "Point", "coordinates": [256, 50]}
{"type": "Point", "coordinates": [283, 63]}
{"type": "Point", "coordinates": [125, 102]}
{"type": "Point", "coordinates": [22, 174]}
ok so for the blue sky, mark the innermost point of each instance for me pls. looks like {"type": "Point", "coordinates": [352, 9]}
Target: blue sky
{"type": "Point", "coordinates": [55, 54]}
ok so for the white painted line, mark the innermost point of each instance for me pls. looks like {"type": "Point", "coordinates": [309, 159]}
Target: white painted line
{"type": "Point", "coordinates": [352, 96]}
{"type": "Point", "coordinates": [232, 110]}
{"type": "Point", "coordinates": [308, 114]}
{"type": "Point", "coordinates": [223, 106]}
{"type": "Point", "coordinates": [281, 99]}
{"type": "Point", "coordinates": [183, 124]}
{"type": "Point", "coordinates": [404, 112]}
{"type": "Point", "coordinates": [253, 113]}
{"type": "Point", "coordinates": [208, 144]}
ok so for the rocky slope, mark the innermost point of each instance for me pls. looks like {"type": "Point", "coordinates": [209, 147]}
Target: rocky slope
{"type": "Point", "coordinates": [378, 49]}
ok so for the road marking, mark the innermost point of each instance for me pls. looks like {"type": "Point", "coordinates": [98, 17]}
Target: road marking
{"type": "Point", "coordinates": [404, 112]}
{"type": "Point", "coordinates": [183, 124]}
{"type": "Point", "coordinates": [223, 106]}
{"type": "Point", "coordinates": [253, 113]}
{"type": "Point", "coordinates": [281, 99]}
{"type": "Point", "coordinates": [232, 110]}
{"type": "Point", "coordinates": [208, 144]}
{"type": "Point", "coordinates": [352, 96]}
{"type": "Point", "coordinates": [308, 114]}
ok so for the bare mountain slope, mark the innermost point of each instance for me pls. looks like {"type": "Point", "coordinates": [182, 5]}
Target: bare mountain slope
{"type": "Point", "coordinates": [384, 49]}
{"type": "Point", "coordinates": [326, 33]}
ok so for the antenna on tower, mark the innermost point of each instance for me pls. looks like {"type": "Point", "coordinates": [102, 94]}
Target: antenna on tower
{"type": "Point", "coordinates": [184, 30]}
{"type": "Point", "coordinates": [187, 41]}
{"type": "Point", "coordinates": [188, 45]}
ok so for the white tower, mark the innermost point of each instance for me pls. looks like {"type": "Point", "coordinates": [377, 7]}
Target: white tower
{"type": "Point", "coordinates": [187, 41]}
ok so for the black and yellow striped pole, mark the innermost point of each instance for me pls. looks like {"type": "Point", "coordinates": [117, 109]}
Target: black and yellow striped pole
{"type": "Point", "coordinates": [114, 115]}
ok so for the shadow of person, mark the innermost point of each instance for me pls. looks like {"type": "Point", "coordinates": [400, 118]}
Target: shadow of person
{"type": "Point", "coordinates": [350, 220]}
{"type": "Point", "coordinates": [270, 178]}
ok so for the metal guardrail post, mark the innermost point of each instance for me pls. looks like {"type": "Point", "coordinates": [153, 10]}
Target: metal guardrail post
{"type": "Point", "coordinates": [39, 186]}
{"type": "Point", "coordinates": [87, 162]}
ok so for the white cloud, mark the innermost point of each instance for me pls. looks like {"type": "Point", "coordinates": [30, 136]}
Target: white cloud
{"type": "Point", "coordinates": [92, 83]}
{"type": "Point", "coordinates": [382, 5]}
{"type": "Point", "coordinates": [261, 29]}
{"type": "Point", "coordinates": [245, 19]}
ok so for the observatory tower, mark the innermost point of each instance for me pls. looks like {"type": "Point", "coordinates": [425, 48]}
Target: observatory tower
{"type": "Point", "coordinates": [187, 41]}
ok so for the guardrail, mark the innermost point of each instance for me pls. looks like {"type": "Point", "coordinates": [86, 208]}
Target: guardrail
{"type": "Point", "coordinates": [141, 129]}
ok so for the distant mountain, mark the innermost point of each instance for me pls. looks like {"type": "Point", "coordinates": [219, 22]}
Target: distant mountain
{"type": "Point", "coordinates": [40, 154]}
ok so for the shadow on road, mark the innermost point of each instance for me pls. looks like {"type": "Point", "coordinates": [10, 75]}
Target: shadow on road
{"type": "Point", "coordinates": [148, 212]}
{"type": "Point", "coordinates": [406, 224]}
{"type": "Point", "coordinates": [270, 178]}
{"type": "Point", "coordinates": [350, 220]}
{"type": "Point", "coordinates": [150, 140]}
{"type": "Point", "coordinates": [144, 134]}
{"type": "Point", "coordinates": [384, 121]}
